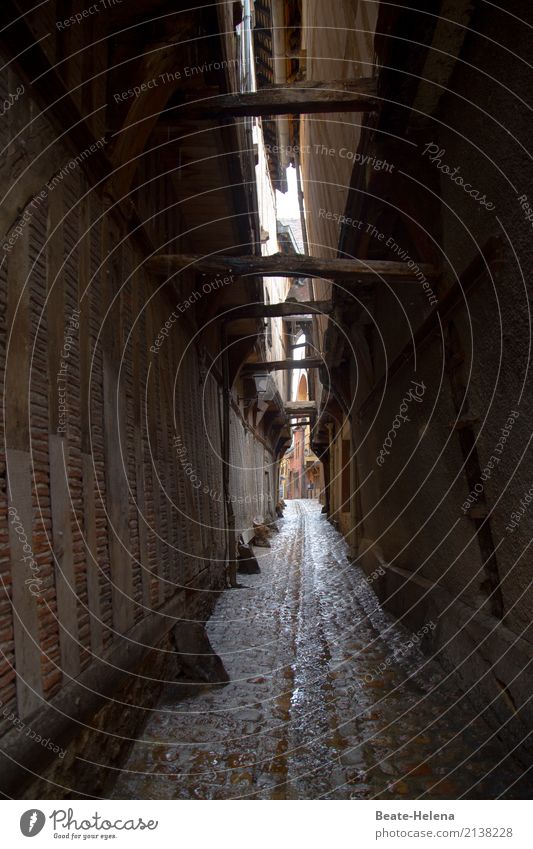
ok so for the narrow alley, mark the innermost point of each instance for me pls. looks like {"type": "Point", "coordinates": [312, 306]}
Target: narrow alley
{"type": "Point", "coordinates": [265, 422]}
{"type": "Point", "coordinates": [329, 697]}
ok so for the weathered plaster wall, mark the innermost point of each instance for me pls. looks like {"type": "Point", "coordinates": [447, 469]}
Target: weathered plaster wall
{"type": "Point", "coordinates": [468, 567]}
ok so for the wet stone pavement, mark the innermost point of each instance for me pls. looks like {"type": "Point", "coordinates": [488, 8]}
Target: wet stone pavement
{"type": "Point", "coordinates": [326, 698]}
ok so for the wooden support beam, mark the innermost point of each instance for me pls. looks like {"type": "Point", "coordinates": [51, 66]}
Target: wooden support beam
{"type": "Point", "coordinates": [28, 58]}
{"type": "Point", "coordinates": [302, 97]}
{"type": "Point", "coordinates": [308, 412]}
{"type": "Point", "coordinates": [301, 424]}
{"type": "Point", "coordinates": [286, 309]}
{"type": "Point", "coordinates": [284, 365]}
{"type": "Point", "coordinates": [302, 408]}
{"type": "Point", "coordinates": [287, 265]}
{"type": "Point", "coordinates": [145, 109]}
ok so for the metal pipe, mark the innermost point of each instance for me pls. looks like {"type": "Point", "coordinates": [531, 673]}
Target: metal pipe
{"type": "Point", "coordinates": [280, 73]}
{"type": "Point", "coordinates": [248, 78]}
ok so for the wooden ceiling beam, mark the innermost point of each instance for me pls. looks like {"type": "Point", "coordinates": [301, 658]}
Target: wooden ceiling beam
{"type": "Point", "coordinates": [286, 309]}
{"type": "Point", "coordinates": [289, 265]}
{"type": "Point", "coordinates": [309, 412]}
{"type": "Point", "coordinates": [301, 97]}
{"type": "Point", "coordinates": [300, 408]}
{"type": "Point", "coordinates": [284, 365]}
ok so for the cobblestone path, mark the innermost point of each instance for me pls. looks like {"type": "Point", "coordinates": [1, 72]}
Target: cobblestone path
{"type": "Point", "coordinates": [326, 698]}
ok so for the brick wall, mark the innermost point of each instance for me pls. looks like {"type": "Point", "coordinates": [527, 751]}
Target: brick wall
{"type": "Point", "coordinates": [99, 500]}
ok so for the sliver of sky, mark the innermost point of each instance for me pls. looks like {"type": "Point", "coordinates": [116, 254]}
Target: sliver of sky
{"type": "Point", "coordinates": [287, 204]}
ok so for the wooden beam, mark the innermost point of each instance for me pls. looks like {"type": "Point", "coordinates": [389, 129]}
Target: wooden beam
{"type": "Point", "coordinates": [284, 365]}
{"type": "Point", "coordinates": [287, 265]}
{"type": "Point", "coordinates": [286, 309]}
{"type": "Point", "coordinates": [28, 58]}
{"type": "Point", "coordinates": [302, 97]}
{"type": "Point", "coordinates": [47, 87]}
{"type": "Point", "coordinates": [301, 424]}
{"type": "Point", "coordinates": [144, 110]}
{"type": "Point", "coordinates": [302, 408]}
{"type": "Point", "coordinates": [296, 406]}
